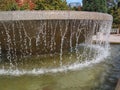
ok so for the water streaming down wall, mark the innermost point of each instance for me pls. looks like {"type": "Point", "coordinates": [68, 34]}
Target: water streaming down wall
{"type": "Point", "coordinates": [23, 38]}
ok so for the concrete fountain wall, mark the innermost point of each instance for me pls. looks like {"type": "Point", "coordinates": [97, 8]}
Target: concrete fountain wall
{"type": "Point", "coordinates": [42, 32]}
{"type": "Point", "coordinates": [53, 15]}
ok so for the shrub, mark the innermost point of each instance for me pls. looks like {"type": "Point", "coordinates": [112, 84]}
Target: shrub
{"type": "Point", "coordinates": [51, 5]}
{"type": "Point", "coordinates": [95, 5]}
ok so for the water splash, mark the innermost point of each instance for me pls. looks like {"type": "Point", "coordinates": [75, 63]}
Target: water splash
{"type": "Point", "coordinates": [102, 54]}
{"type": "Point", "coordinates": [21, 40]}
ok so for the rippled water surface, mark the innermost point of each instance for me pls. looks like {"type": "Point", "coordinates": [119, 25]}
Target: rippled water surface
{"type": "Point", "coordinates": [113, 72]}
{"type": "Point", "coordinates": [100, 76]}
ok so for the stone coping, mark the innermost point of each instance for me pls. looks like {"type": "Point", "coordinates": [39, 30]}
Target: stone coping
{"type": "Point", "coordinates": [52, 15]}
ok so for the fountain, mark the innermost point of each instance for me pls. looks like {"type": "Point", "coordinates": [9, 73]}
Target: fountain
{"type": "Point", "coordinates": [35, 42]}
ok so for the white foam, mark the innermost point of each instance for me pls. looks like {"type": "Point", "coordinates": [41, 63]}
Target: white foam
{"type": "Point", "coordinates": [103, 53]}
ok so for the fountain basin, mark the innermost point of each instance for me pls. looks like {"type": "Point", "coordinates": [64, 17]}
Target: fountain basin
{"type": "Point", "coordinates": [47, 32]}
{"type": "Point", "coordinates": [52, 15]}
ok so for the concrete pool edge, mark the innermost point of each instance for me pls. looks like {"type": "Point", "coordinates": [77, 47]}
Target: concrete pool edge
{"type": "Point", "coordinates": [53, 15]}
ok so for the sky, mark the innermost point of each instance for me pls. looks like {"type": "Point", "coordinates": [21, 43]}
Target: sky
{"type": "Point", "coordinates": [68, 1]}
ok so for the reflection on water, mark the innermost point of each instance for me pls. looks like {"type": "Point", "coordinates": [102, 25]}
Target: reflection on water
{"type": "Point", "coordinates": [84, 79]}
{"type": "Point", "coordinates": [113, 73]}
{"type": "Point", "coordinates": [101, 76]}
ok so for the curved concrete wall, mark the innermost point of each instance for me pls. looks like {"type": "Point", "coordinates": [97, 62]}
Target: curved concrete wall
{"type": "Point", "coordinates": [48, 15]}
{"type": "Point", "coordinates": [24, 33]}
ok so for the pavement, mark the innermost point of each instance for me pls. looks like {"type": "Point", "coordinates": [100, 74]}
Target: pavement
{"type": "Point", "coordinates": [113, 38]}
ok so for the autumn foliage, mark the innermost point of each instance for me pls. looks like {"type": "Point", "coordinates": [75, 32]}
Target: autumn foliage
{"type": "Point", "coordinates": [12, 5]}
{"type": "Point", "coordinates": [30, 4]}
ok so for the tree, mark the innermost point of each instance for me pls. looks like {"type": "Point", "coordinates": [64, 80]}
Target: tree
{"type": "Point", "coordinates": [118, 4]}
{"type": "Point", "coordinates": [115, 12]}
{"type": "Point", "coordinates": [51, 5]}
{"type": "Point", "coordinates": [26, 4]}
{"type": "Point", "coordinates": [7, 5]}
{"type": "Point", "coordinates": [95, 5]}
{"type": "Point", "coordinates": [10, 5]}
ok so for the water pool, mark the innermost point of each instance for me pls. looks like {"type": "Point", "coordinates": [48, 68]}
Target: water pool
{"type": "Point", "coordinates": [100, 76]}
